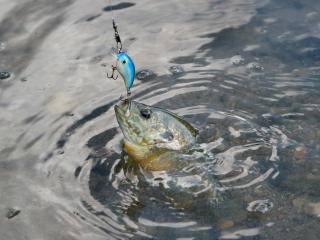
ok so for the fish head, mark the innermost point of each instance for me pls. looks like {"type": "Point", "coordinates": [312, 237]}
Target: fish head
{"type": "Point", "coordinates": [153, 127]}
{"type": "Point", "coordinates": [137, 122]}
{"type": "Point", "coordinates": [151, 134]}
{"type": "Point", "coordinates": [126, 68]}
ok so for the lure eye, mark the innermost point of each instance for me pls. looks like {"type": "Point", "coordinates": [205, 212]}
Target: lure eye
{"type": "Point", "coordinates": [124, 61]}
{"type": "Point", "coordinates": [146, 113]}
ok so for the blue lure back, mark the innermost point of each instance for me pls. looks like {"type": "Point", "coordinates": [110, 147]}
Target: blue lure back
{"type": "Point", "coordinates": [126, 68]}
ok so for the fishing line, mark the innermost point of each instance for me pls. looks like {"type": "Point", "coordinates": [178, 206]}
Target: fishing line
{"type": "Point", "coordinates": [124, 65]}
{"type": "Point", "coordinates": [111, 9]}
{"type": "Point", "coordinates": [115, 28]}
{"type": "Point", "coordinates": [118, 41]}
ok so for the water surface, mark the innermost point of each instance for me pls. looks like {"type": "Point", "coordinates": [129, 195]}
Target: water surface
{"type": "Point", "coordinates": [245, 73]}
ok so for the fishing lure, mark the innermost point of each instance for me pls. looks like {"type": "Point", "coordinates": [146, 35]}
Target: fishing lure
{"type": "Point", "coordinates": [124, 65]}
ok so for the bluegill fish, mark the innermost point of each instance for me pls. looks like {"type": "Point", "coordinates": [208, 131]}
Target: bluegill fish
{"type": "Point", "coordinates": [152, 135]}
{"type": "Point", "coordinates": [164, 145]}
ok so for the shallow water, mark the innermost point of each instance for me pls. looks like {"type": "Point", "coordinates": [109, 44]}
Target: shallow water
{"type": "Point", "coordinates": [245, 73]}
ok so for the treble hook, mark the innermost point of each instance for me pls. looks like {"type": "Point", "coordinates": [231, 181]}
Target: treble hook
{"type": "Point", "coordinates": [112, 74]}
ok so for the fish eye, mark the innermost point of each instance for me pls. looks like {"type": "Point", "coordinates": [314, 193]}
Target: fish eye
{"type": "Point", "coordinates": [124, 61]}
{"type": "Point", "coordinates": [146, 113]}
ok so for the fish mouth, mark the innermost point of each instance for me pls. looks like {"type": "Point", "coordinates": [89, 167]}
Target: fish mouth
{"type": "Point", "coordinates": [122, 111]}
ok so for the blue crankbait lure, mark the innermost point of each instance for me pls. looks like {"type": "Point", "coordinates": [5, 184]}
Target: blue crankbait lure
{"type": "Point", "coordinates": [125, 65]}
{"type": "Point", "coordinates": [126, 68]}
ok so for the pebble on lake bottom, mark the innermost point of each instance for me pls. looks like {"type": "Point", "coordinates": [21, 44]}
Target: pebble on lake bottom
{"type": "Point", "coordinates": [313, 209]}
{"type": "Point", "coordinates": [261, 206]}
{"type": "Point", "coordinates": [255, 67]}
{"type": "Point", "coordinates": [225, 223]}
{"type": "Point", "coordinates": [300, 152]}
{"type": "Point", "coordinates": [176, 70]}
{"type": "Point", "coordinates": [237, 60]}
{"type": "Point", "coordinates": [304, 205]}
{"type": "Point", "coordinates": [145, 74]}
{"type": "Point", "coordinates": [2, 46]}
{"type": "Point", "coordinates": [12, 212]}
{"type": "Point", "coordinates": [4, 75]}
{"type": "Point", "coordinates": [60, 151]}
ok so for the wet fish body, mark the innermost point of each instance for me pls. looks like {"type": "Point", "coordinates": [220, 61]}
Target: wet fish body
{"type": "Point", "coordinates": [153, 136]}
{"type": "Point", "coordinates": [164, 145]}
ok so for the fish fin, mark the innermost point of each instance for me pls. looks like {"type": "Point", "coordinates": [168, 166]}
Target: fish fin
{"type": "Point", "coordinates": [149, 157]}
